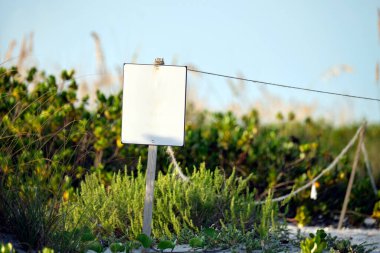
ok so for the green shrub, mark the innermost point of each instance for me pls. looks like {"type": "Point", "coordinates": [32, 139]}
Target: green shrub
{"type": "Point", "coordinates": [33, 172]}
{"type": "Point", "coordinates": [50, 139]}
{"type": "Point", "coordinates": [208, 199]}
{"type": "Point", "coordinates": [32, 214]}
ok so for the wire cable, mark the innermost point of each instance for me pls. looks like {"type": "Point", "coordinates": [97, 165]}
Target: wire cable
{"type": "Point", "coordinates": [327, 169]}
{"type": "Point", "coordinates": [284, 86]}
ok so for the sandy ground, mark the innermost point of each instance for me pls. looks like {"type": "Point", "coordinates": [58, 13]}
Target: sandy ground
{"type": "Point", "coordinates": [357, 236]}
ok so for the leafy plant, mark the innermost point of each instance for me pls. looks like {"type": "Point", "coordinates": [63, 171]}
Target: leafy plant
{"type": "Point", "coordinates": [145, 240]}
{"type": "Point", "coordinates": [208, 199]}
{"type": "Point", "coordinates": [345, 246]}
{"type": "Point", "coordinates": [95, 246]}
{"type": "Point", "coordinates": [117, 247]}
{"type": "Point", "coordinates": [165, 244]}
{"type": "Point", "coordinates": [231, 238]}
{"type": "Point", "coordinates": [197, 242]}
{"type": "Point", "coordinates": [314, 243]}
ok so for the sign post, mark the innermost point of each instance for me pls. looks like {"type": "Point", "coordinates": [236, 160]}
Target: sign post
{"type": "Point", "coordinates": [154, 101]}
{"type": "Point", "coordinates": [150, 177]}
{"type": "Point", "coordinates": [149, 189]}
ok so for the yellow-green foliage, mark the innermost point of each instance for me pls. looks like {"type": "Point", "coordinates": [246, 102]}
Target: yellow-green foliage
{"type": "Point", "coordinates": [50, 139]}
{"type": "Point", "coordinates": [6, 248]}
{"type": "Point", "coordinates": [315, 243]}
{"type": "Point", "coordinates": [208, 198]}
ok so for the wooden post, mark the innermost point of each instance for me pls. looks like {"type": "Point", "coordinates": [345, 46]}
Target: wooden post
{"type": "Point", "coordinates": [369, 170]}
{"type": "Point", "coordinates": [352, 177]}
{"type": "Point", "coordinates": [150, 177]}
{"type": "Point", "coordinates": [149, 189]}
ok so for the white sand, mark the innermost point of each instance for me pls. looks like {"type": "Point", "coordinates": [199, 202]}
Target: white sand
{"type": "Point", "coordinates": [356, 235]}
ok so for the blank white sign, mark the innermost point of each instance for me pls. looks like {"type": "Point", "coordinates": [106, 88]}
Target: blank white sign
{"type": "Point", "coordinates": [154, 98]}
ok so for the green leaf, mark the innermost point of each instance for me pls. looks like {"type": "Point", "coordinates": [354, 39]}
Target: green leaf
{"type": "Point", "coordinates": [145, 240]}
{"type": "Point", "coordinates": [64, 75]}
{"type": "Point", "coordinates": [31, 74]}
{"type": "Point", "coordinates": [87, 235]}
{"type": "Point", "coordinates": [47, 250]}
{"type": "Point", "coordinates": [101, 97]}
{"type": "Point", "coordinates": [117, 247]}
{"type": "Point", "coordinates": [210, 232]}
{"type": "Point", "coordinates": [73, 85]}
{"type": "Point", "coordinates": [165, 244]}
{"type": "Point", "coordinates": [321, 233]}
{"type": "Point", "coordinates": [95, 246]}
{"type": "Point", "coordinates": [197, 242]}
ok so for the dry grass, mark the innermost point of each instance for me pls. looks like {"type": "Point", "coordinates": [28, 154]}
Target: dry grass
{"type": "Point", "coordinates": [268, 104]}
{"type": "Point", "coordinates": [336, 71]}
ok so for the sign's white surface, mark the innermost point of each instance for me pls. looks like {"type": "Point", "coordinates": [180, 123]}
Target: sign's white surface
{"type": "Point", "coordinates": [154, 98]}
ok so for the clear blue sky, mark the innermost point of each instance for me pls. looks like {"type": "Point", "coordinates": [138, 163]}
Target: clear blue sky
{"type": "Point", "coordinates": [288, 42]}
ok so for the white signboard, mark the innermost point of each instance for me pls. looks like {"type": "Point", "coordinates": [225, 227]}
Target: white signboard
{"type": "Point", "coordinates": [154, 98]}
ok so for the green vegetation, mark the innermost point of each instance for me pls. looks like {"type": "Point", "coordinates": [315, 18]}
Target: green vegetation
{"type": "Point", "coordinates": [6, 248]}
{"type": "Point", "coordinates": [208, 199]}
{"type": "Point", "coordinates": [320, 241]}
{"type": "Point", "coordinates": [68, 183]}
{"type": "Point", "coordinates": [315, 243]}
